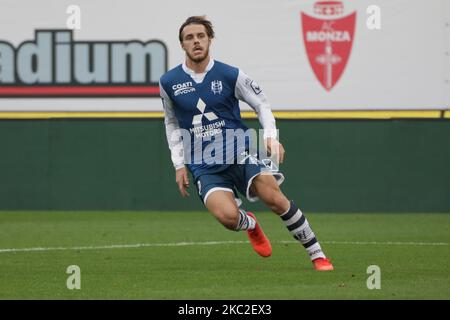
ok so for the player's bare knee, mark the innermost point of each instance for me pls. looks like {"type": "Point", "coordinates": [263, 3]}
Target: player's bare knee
{"type": "Point", "coordinates": [230, 222]}
{"type": "Point", "coordinates": [229, 219]}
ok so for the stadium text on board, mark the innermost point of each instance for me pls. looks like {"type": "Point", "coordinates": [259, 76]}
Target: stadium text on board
{"type": "Point", "coordinates": [56, 65]}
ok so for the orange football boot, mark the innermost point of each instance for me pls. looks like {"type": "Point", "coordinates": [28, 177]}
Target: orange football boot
{"type": "Point", "coordinates": [322, 264]}
{"type": "Point", "coordinates": [258, 239]}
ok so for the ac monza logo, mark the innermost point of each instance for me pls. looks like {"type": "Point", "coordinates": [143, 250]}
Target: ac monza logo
{"type": "Point", "coordinates": [328, 38]}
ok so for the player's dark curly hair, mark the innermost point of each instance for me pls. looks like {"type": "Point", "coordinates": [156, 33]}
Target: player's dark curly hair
{"type": "Point", "coordinates": [198, 20]}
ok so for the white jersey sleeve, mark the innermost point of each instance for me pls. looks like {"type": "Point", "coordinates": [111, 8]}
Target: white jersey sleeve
{"type": "Point", "coordinates": [249, 91]}
{"type": "Point", "coordinates": [173, 132]}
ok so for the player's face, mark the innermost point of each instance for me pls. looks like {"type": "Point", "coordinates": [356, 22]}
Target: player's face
{"type": "Point", "coordinates": [195, 42]}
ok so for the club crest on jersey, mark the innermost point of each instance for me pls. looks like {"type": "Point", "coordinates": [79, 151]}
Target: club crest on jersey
{"type": "Point", "coordinates": [328, 39]}
{"type": "Point", "coordinates": [216, 87]}
{"type": "Point", "coordinates": [183, 88]}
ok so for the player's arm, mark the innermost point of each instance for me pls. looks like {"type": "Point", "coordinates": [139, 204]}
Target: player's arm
{"type": "Point", "coordinates": [175, 143]}
{"type": "Point", "coordinates": [249, 91]}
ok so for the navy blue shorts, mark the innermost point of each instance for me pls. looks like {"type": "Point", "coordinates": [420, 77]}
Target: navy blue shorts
{"type": "Point", "coordinates": [236, 177]}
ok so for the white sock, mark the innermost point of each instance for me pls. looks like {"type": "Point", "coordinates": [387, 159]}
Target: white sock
{"type": "Point", "coordinates": [245, 221]}
{"type": "Point", "coordinates": [299, 227]}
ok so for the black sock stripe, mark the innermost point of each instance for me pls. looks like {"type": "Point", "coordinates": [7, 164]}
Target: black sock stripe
{"type": "Point", "coordinates": [310, 243]}
{"type": "Point", "coordinates": [247, 223]}
{"type": "Point", "coordinates": [241, 220]}
{"type": "Point", "coordinates": [247, 220]}
{"type": "Point", "coordinates": [297, 224]}
{"type": "Point", "coordinates": [292, 210]}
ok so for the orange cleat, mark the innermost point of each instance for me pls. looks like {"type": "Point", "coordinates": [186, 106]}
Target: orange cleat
{"type": "Point", "coordinates": [322, 264]}
{"type": "Point", "coordinates": [258, 239]}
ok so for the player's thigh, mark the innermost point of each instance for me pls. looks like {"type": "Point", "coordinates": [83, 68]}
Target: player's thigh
{"type": "Point", "coordinates": [222, 205]}
{"type": "Point", "coordinates": [266, 187]}
{"type": "Point", "coordinates": [264, 184]}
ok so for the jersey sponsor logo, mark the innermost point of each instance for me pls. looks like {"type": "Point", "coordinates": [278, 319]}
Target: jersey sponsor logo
{"type": "Point", "coordinates": [216, 86]}
{"type": "Point", "coordinates": [208, 130]}
{"type": "Point", "coordinates": [328, 38]}
{"type": "Point", "coordinates": [183, 88]}
{"type": "Point", "coordinates": [55, 65]}
{"type": "Point", "coordinates": [197, 119]}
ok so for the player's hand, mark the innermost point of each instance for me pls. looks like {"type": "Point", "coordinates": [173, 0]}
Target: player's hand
{"type": "Point", "coordinates": [274, 147]}
{"type": "Point", "coordinates": [181, 177]}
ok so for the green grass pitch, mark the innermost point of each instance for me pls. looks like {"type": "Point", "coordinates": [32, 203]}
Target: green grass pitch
{"type": "Point", "coordinates": [188, 255]}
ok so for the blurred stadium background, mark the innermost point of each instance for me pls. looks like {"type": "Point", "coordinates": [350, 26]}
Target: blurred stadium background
{"type": "Point", "coordinates": [363, 109]}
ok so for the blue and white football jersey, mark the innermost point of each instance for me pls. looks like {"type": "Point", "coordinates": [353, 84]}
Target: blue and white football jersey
{"type": "Point", "coordinates": [206, 106]}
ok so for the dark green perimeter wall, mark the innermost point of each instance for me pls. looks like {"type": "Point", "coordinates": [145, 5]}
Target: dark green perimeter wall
{"type": "Point", "coordinates": [124, 164]}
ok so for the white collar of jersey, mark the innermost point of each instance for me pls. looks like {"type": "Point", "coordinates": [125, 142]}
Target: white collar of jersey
{"type": "Point", "coordinates": [198, 77]}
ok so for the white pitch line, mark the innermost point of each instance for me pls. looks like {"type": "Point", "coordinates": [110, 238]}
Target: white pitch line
{"type": "Point", "coordinates": [210, 243]}
{"type": "Point", "coordinates": [122, 246]}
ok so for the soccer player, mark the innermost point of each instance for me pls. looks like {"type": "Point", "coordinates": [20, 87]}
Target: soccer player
{"type": "Point", "coordinates": [201, 104]}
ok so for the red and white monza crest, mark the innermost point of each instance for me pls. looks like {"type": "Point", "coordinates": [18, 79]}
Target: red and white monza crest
{"type": "Point", "coordinates": [328, 40]}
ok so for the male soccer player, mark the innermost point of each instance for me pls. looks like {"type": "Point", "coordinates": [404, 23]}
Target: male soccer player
{"type": "Point", "coordinates": [200, 99]}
